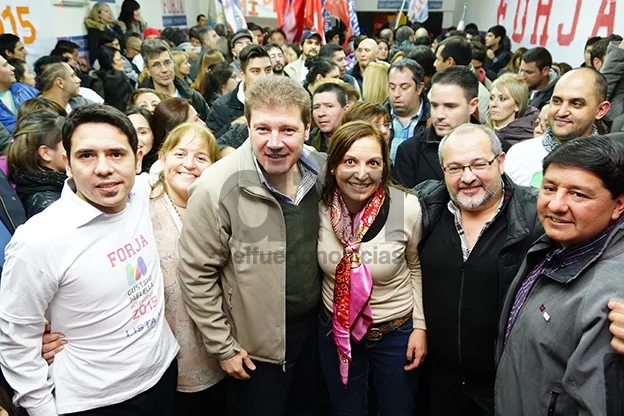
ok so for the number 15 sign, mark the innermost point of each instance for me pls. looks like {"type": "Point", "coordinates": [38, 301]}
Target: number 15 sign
{"type": "Point", "coordinates": [30, 20]}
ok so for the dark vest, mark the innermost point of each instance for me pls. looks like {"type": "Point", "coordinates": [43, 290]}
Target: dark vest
{"type": "Point", "coordinates": [462, 299]}
{"type": "Point", "coordinates": [303, 275]}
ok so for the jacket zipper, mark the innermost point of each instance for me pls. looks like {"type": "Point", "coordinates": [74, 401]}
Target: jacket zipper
{"type": "Point", "coordinates": [7, 213]}
{"type": "Point", "coordinates": [553, 403]}
{"type": "Point", "coordinates": [274, 202]}
{"type": "Point", "coordinates": [459, 316]}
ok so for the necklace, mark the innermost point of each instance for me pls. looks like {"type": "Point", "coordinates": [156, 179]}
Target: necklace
{"type": "Point", "coordinates": [175, 206]}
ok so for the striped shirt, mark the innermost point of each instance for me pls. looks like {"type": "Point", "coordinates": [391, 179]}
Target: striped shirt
{"type": "Point", "coordinates": [309, 172]}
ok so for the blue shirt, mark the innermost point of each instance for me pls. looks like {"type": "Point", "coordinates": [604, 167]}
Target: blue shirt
{"type": "Point", "coordinates": [401, 132]}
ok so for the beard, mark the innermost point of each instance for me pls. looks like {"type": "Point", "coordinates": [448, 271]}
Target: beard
{"type": "Point", "coordinates": [473, 203]}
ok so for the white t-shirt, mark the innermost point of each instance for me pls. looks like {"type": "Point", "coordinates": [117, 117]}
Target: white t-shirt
{"type": "Point", "coordinates": [97, 279]}
{"type": "Point", "coordinates": [523, 162]}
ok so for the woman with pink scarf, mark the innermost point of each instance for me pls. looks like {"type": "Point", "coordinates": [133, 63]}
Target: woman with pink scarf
{"type": "Point", "coordinates": [372, 320]}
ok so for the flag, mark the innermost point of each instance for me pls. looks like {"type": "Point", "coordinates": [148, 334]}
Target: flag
{"type": "Point", "coordinates": [290, 18]}
{"type": "Point", "coordinates": [340, 9]}
{"type": "Point", "coordinates": [353, 19]}
{"type": "Point", "coordinates": [462, 22]}
{"type": "Point", "coordinates": [314, 17]}
{"type": "Point", "coordinates": [233, 14]}
{"type": "Point", "coordinates": [418, 11]}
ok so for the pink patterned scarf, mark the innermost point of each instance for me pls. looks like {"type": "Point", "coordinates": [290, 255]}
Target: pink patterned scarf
{"type": "Point", "coordinates": [353, 287]}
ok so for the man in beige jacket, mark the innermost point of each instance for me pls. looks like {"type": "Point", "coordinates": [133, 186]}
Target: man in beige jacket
{"type": "Point", "coordinates": [248, 268]}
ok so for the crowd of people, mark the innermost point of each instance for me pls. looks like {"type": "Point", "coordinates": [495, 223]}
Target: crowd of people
{"type": "Point", "coordinates": [207, 222]}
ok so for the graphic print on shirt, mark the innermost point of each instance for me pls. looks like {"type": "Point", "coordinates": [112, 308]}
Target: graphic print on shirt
{"type": "Point", "coordinates": [140, 284]}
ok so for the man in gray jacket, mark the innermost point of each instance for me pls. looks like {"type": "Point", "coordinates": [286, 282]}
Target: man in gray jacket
{"type": "Point", "coordinates": [248, 269]}
{"type": "Point", "coordinates": [554, 353]}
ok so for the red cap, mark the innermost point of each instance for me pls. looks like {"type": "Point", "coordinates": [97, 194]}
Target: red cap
{"type": "Point", "coordinates": [151, 31]}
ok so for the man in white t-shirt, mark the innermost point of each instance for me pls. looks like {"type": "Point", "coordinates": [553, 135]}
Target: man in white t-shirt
{"type": "Point", "coordinates": [88, 264]}
{"type": "Point", "coordinates": [578, 101]}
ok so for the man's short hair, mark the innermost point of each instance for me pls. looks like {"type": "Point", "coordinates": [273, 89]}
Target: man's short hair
{"type": "Point", "coordinates": [341, 94]}
{"type": "Point", "coordinates": [599, 80]}
{"type": "Point", "coordinates": [270, 46]}
{"type": "Point", "coordinates": [49, 74]}
{"type": "Point", "coordinates": [425, 57]}
{"type": "Point", "coordinates": [591, 41]}
{"type": "Point", "coordinates": [250, 52]}
{"type": "Point", "coordinates": [152, 48]}
{"type": "Point", "coordinates": [469, 128]}
{"type": "Point", "coordinates": [418, 73]}
{"type": "Point", "coordinates": [254, 26]}
{"type": "Point", "coordinates": [498, 31]}
{"type": "Point", "coordinates": [540, 56]}
{"type": "Point", "coordinates": [278, 92]}
{"type": "Point", "coordinates": [458, 48]}
{"type": "Point", "coordinates": [329, 49]}
{"type": "Point", "coordinates": [199, 16]}
{"type": "Point", "coordinates": [601, 155]}
{"type": "Point", "coordinates": [462, 76]}
{"type": "Point", "coordinates": [404, 33]}
{"type": "Point", "coordinates": [274, 31]}
{"type": "Point", "coordinates": [479, 51]}
{"type": "Point", "coordinates": [202, 33]}
{"type": "Point", "coordinates": [422, 40]}
{"type": "Point", "coordinates": [107, 37]}
{"type": "Point", "coordinates": [599, 50]}
{"type": "Point", "coordinates": [98, 113]}
{"type": "Point", "coordinates": [41, 64]}
{"type": "Point", "coordinates": [64, 46]}
{"type": "Point", "coordinates": [193, 33]}
{"type": "Point", "coordinates": [8, 41]}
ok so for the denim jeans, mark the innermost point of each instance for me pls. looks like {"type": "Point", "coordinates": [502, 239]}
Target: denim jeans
{"type": "Point", "coordinates": [385, 359]}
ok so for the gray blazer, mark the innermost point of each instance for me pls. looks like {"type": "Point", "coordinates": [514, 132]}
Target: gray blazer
{"type": "Point", "coordinates": [558, 359]}
{"type": "Point", "coordinates": [613, 70]}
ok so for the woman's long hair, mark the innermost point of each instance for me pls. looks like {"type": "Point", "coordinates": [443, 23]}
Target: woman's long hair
{"type": "Point", "coordinates": [217, 76]}
{"type": "Point", "coordinates": [126, 14]}
{"type": "Point", "coordinates": [208, 59]}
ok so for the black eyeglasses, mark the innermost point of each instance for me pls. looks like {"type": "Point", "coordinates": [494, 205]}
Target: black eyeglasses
{"type": "Point", "coordinates": [478, 166]}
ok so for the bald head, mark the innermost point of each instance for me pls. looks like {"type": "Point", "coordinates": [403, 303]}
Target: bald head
{"type": "Point", "coordinates": [366, 53]}
{"type": "Point", "coordinates": [422, 33]}
{"type": "Point", "coordinates": [470, 135]}
{"type": "Point", "coordinates": [387, 35]}
{"type": "Point", "coordinates": [595, 80]}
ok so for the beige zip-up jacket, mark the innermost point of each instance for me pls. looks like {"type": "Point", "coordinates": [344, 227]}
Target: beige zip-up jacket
{"type": "Point", "coordinates": [233, 260]}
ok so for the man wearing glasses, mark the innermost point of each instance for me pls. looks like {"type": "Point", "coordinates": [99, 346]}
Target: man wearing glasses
{"type": "Point", "coordinates": [454, 101]}
{"type": "Point", "coordinates": [159, 64]}
{"type": "Point", "coordinates": [477, 225]}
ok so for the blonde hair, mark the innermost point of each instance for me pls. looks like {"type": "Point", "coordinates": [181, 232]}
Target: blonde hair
{"type": "Point", "coordinates": [375, 85]}
{"type": "Point", "coordinates": [93, 21]}
{"type": "Point", "coordinates": [173, 139]}
{"type": "Point", "coordinates": [397, 56]}
{"type": "Point", "coordinates": [178, 59]}
{"type": "Point", "coordinates": [518, 91]}
{"type": "Point", "coordinates": [353, 94]}
{"type": "Point", "coordinates": [208, 59]}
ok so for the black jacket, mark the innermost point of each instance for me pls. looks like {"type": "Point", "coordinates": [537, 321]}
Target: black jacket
{"type": "Point", "coordinates": [463, 299]}
{"type": "Point", "coordinates": [500, 61]}
{"type": "Point", "coordinates": [186, 92]}
{"type": "Point", "coordinates": [12, 212]}
{"type": "Point", "coordinates": [38, 189]}
{"type": "Point", "coordinates": [114, 87]}
{"type": "Point", "coordinates": [93, 41]}
{"type": "Point", "coordinates": [225, 109]}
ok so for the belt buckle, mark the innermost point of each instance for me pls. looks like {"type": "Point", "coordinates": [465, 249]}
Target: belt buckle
{"type": "Point", "coordinates": [374, 334]}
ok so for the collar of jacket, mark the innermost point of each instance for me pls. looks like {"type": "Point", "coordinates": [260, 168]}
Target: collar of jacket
{"type": "Point", "coordinates": [183, 88]}
{"type": "Point", "coordinates": [434, 197]}
{"type": "Point", "coordinates": [431, 136]}
{"type": "Point", "coordinates": [249, 180]}
{"type": "Point", "coordinates": [570, 272]}
{"type": "Point", "coordinates": [232, 98]}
